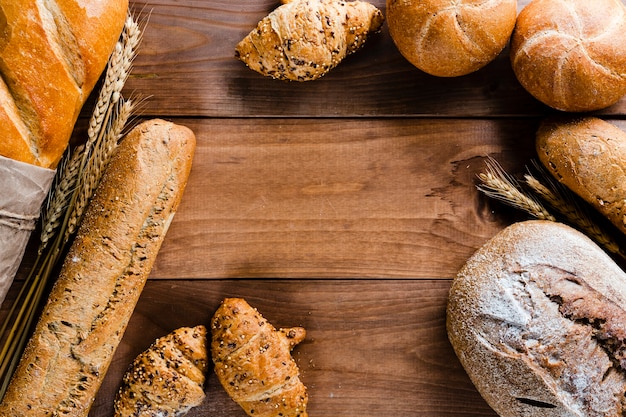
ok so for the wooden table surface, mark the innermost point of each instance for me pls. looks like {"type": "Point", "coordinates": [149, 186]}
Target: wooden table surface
{"type": "Point", "coordinates": [345, 205]}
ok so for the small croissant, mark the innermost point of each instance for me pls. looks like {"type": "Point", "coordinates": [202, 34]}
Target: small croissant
{"type": "Point", "coordinates": [253, 361]}
{"type": "Point", "coordinates": [302, 40]}
{"type": "Point", "coordinates": [167, 379]}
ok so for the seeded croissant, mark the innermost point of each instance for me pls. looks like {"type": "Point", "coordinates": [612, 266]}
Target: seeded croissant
{"type": "Point", "coordinates": [253, 361]}
{"type": "Point", "coordinates": [302, 40]}
{"type": "Point", "coordinates": [168, 378]}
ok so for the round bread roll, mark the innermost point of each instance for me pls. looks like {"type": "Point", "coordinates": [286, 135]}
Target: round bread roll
{"type": "Point", "coordinates": [449, 38]}
{"type": "Point", "coordinates": [571, 54]}
{"type": "Point", "coordinates": [537, 317]}
{"type": "Point", "coordinates": [588, 156]}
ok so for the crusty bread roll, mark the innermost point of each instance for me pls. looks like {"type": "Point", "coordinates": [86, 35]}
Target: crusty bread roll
{"type": "Point", "coordinates": [571, 54]}
{"type": "Point", "coordinates": [167, 379]}
{"type": "Point", "coordinates": [103, 275]}
{"type": "Point", "coordinates": [253, 361]}
{"type": "Point", "coordinates": [450, 38]}
{"type": "Point", "coordinates": [537, 317]}
{"type": "Point", "coordinates": [588, 155]}
{"type": "Point", "coordinates": [52, 55]}
{"type": "Point", "coordinates": [304, 39]}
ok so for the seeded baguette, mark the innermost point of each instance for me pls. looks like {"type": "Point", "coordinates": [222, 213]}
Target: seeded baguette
{"type": "Point", "coordinates": [103, 274]}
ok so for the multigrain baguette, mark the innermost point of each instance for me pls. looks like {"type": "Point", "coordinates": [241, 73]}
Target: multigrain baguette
{"type": "Point", "coordinates": [52, 54]}
{"type": "Point", "coordinates": [103, 274]}
{"type": "Point", "coordinates": [537, 317]}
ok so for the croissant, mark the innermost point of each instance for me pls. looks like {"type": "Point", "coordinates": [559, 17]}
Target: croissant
{"type": "Point", "coordinates": [302, 40]}
{"type": "Point", "coordinates": [253, 361]}
{"type": "Point", "coordinates": [168, 378]}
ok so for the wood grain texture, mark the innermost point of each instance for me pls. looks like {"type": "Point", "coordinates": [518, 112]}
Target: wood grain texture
{"type": "Point", "coordinates": [373, 348]}
{"type": "Point", "coordinates": [345, 205]}
{"type": "Point", "coordinates": [337, 198]}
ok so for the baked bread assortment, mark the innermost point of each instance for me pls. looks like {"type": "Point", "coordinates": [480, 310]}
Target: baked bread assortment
{"type": "Point", "coordinates": [450, 38]}
{"type": "Point", "coordinates": [253, 361]}
{"type": "Point", "coordinates": [588, 155]}
{"type": "Point", "coordinates": [571, 54]}
{"type": "Point", "coordinates": [536, 317]}
{"type": "Point", "coordinates": [167, 379]}
{"type": "Point", "coordinates": [103, 275]}
{"type": "Point", "coordinates": [304, 39]}
{"type": "Point", "coordinates": [52, 56]}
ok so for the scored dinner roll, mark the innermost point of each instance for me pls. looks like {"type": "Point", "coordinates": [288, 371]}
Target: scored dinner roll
{"type": "Point", "coordinates": [449, 38]}
{"type": "Point", "coordinates": [571, 54]}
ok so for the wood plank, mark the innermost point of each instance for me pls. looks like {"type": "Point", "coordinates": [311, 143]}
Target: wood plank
{"type": "Point", "coordinates": [373, 347]}
{"type": "Point", "coordinates": [338, 198]}
{"type": "Point", "coordinates": [186, 67]}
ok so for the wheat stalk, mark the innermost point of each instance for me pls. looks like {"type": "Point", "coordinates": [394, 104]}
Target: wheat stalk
{"type": "Point", "coordinates": [497, 184]}
{"type": "Point", "coordinates": [59, 199]}
{"type": "Point", "coordinates": [565, 204]}
{"type": "Point", "coordinates": [78, 178]}
{"type": "Point", "coordinates": [101, 154]}
{"type": "Point", "coordinates": [107, 115]}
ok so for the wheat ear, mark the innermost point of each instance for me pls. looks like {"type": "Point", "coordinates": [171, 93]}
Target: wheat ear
{"type": "Point", "coordinates": [61, 195]}
{"type": "Point", "coordinates": [101, 154]}
{"type": "Point", "coordinates": [497, 184]}
{"type": "Point", "coordinates": [565, 204]}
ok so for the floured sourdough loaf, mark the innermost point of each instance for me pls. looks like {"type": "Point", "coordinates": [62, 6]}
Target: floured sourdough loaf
{"type": "Point", "coordinates": [167, 379]}
{"type": "Point", "coordinates": [537, 317]}
{"type": "Point", "coordinates": [253, 361]}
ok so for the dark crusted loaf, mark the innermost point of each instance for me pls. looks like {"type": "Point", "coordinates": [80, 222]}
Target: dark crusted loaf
{"type": "Point", "coordinates": [537, 317]}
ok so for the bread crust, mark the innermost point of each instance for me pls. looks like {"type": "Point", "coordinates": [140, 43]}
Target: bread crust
{"type": "Point", "coordinates": [52, 55]}
{"type": "Point", "coordinates": [537, 318]}
{"type": "Point", "coordinates": [103, 275]}
{"type": "Point", "coordinates": [302, 40]}
{"type": "Point", "coordinates": [450, 38]}
{"type": "Point", "coordinates": [167, 379]}
{"type": "Point", "coordinates": [588, 155]}
{"type": "Point", "coordinates": [253, 361]}
{"type": "Point", "coordinates": [571, 54]}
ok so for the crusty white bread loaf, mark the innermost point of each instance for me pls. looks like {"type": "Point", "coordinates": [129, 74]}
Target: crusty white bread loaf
{"type": "Point", "coordinates": [571, 54]}
{"type": "Point", "coordinates": [450, 38]}
{"type": "Point", "coordinates": [103, 275]}
{"type": "Point", "coordinates": [52, 55]}
{"type": "Point", "coordinates": [537, 317]}
{"type": "Point", "coordinates": [167, 379]}
{"type": "Point", "coordinates": [588, 155]}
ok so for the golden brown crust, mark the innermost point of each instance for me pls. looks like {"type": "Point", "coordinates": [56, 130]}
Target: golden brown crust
{"type": "Point", "coordinates": [52, 55]}
{"type": "Point", "coordinates": [571, 55]}
{"type": "Point", "coordinates": [304, 39]}
{"type": "Point", "coordinates": [103, 274]}
{"type": "Point", "coordinates": [588, 155]}
{"type": "Point", "coordinates": [450, 38]}
{"type": "Point", "coordinates": [167, 379]}
{"type": "Point", "coordinates": [536, 317]}
{"type": "Point", "coordinates": [253, 361]}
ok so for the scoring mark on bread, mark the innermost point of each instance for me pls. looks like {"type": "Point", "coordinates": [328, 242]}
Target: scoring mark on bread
{"type": "Point", "coordinates": [585, 322]}
{"type": "Point", "coordinates": [535, 403]}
